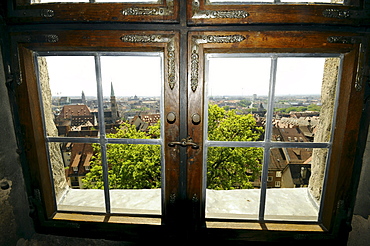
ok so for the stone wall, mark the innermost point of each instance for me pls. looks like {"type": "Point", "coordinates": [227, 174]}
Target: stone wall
{"type": "Point", "coordinates": [323, 132]}
{"type": "Point", "coordinates": [56, 159]}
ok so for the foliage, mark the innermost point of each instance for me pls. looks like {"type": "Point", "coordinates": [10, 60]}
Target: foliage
{"type": "Point", "coordinates": [312, 107]}
{"type": "Point", "coordinates": [229, 167]}
{"type": "Point", "coordinates": [131, 166]}
{"type": "Point", "coordinates": [244, 103]}
{"type": "Point", "coordinates": [138, 166]}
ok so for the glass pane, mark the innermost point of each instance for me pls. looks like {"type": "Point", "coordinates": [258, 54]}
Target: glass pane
{"type": "Point", "coordinates": [131, 95]}
{"type": "Point", "coordinates": [295, 179]}
{"type": "Point", "coordinates": [134, 178]}
{"type": "Point", "coordinates": [237, 90]}
{"type": "Point", "coordinates": [232, 182]}
{"type": "Point", "coordinates": [273, 1]}
{"type": "Point", "coordinates": [69, 95]}
{"type": "Point", "coordinates": [72, 165]}
{"type": "Point", "coordinates": [239, 1]}
{"type": "Point", "coordinates": [127, 1]}
{"type": "Point", "coordinates": [97, 1]}
{"type": "Point", "coordinates": [313, 1]}
{"type": "Point", "coordinates": [58, 1]}
{"type": "Point", "coordinates": [304, 99]}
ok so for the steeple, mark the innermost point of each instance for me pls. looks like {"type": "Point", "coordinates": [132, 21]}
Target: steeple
{"type": "Point", "coordinates": [83, 98]}
{"type": "Point", "coordinates": [113, 102]}
{"type": "Point", "coordinates": [111, 90]}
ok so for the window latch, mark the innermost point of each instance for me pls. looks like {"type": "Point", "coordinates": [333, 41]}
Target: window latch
{"type": "Point", "coordinates": [185, 142]}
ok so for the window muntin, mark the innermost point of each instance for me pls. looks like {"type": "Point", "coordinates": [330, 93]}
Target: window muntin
{"type": "Point", "coordinates": [89, 156]}
{"type": "Point", "coordinates": [313, 150]}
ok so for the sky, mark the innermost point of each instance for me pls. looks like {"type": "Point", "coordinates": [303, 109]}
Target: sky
{"type": "Point", "coordinates": [142, 76]}
{"type": "Point", "coordinates": [130, 75]}
{"type": "Point", "coordinates": [247, 76]}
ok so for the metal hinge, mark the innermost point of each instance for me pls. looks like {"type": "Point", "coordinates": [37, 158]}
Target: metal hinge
{"type": "Point", "coordinates": [46, 38]}
{"type": "Point", "coordinates": [346, 14]}
{"type": "Point", "coordinates": [44, 13]}
{"type": "Point", "coordinates": [361, 72]}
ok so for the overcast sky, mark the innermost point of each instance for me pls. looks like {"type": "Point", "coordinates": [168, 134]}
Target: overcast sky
{"type": "Point", "coordinates": [130, 75]}
{"type": "Point", "coordinates": [142, 76]}
{"type": "Point", "coordinates": [247, 76]}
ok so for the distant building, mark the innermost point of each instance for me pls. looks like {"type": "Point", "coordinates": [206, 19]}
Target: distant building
{"type": "Point", "coordinates": [111, 114]}
{"type": "Point", "coordinates": [64, 101]}
{"type": "Point", "coordinates": [79, 156]}
{"type": "Point", "coordinates": [142, 122]}
{"type": "Point", "coordinates": [113, 103]}
{"type": "Point", "coordinates": [289, 167]}
{"type": "Point", "coordinates": [75, 115]}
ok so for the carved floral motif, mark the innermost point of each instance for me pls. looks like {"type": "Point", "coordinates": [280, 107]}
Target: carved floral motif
{"type": "Point", "coordinates": [217, 14]}
{"type": "Point", "coordinates": [150, 11]}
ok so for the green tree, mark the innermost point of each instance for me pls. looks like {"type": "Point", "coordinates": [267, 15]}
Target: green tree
{"type": "Point", "coordinates": [229, 167]}
{"type": "Point", "coordinates": [131, 166]}
{"type": "Point", "coordinates": [138, 166]}
{"type": "Point", "coordinates": [314, 107]}
{"type": "Point", "coordinates": [244, 103]}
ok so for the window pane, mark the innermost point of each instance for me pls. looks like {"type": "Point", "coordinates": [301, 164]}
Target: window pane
{"type": "Point", "coordinates": [314, 1]}
{"type": "Point", "coordinates": [134, 178]}
{"type": "Point", "coordinates": [97, 1]}
{"type": "Point", "coordinates": [69, 95]}
{"type": "Point", "coordinates": [273, 1]}
{"type": "Point", "coordinates": [294, 177]}
{"type": "Point", "coordinates": [71, 165]}
{"type": "Point", "coordinates": [58, 1]}
{"type": "Point", "coordinates": [304, 99]}
{"type": "Point", "coordinates": [232, 178]}
{"type": "Point", "coordinates": [132, 92]}
{"type": "Point", "coordinates": [239, 1]}
{"type": "Point", "coordinates": [237, 95]}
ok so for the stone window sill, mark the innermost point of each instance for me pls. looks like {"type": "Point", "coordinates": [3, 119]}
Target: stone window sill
{"type": "Point", "coordinates": [284, 204]}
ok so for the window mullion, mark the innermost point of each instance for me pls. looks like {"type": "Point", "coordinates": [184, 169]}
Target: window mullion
{"type": "Point", "coordinates": [102, 138]}
{"type": "Point", "coordinates": [268, 132]}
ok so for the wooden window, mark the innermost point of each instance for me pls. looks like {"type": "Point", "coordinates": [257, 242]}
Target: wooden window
{"type": "Point", "coordinates": [251, 12]}
{"type": "Point", "coordinates": [112, 11]}
{"type": "Point", "coordinates": [187, 35]}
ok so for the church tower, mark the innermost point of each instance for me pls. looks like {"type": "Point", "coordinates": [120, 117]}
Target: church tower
{"type": "Point", "coordinates": [83, 98]}
{"type": "Point", "coordinates": [113, 103]}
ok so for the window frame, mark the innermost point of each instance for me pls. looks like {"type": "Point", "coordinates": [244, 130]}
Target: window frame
{"type": "Point", "coordinates": [199, 12]}
{"type": "Point", "coordinates": [165, 11]}
{"type": "Point", "coordinates": [102, 140]}
{"type": "Point", "coordinates": [34, 131]}
{"type": "Point", "coordinates": [284, 42]}
{"type": "Point", "coordinates": [202, 13]}
{"type": "Point", "coordinates": [268, 143]}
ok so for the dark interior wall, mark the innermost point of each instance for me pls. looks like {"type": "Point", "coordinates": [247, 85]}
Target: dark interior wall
{"type": "Point", "coordinates": [14, 211]}
{"type": "Point", "coordinates": [360, 234]}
